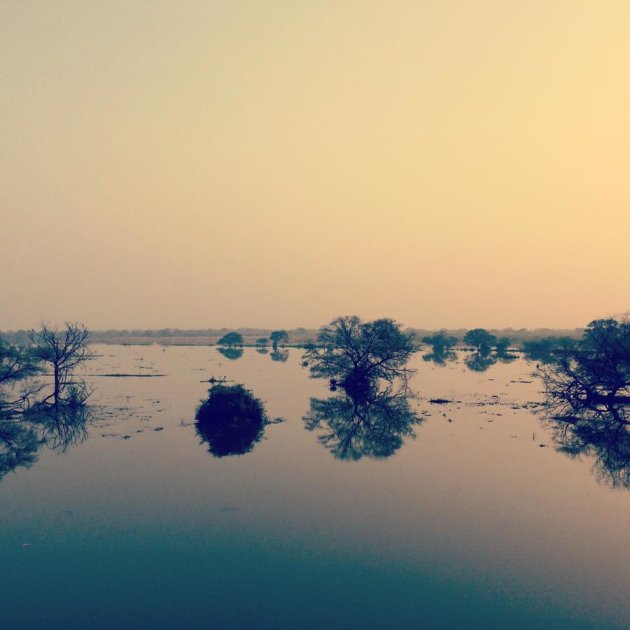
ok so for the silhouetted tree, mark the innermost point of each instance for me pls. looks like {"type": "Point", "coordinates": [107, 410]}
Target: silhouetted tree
{"type": "Point", "coordinates": [596, 370]}
{"type": "Point", "coordinates": [502, 346]}
{"type": "Point", "coordinates": [481, 340]}
{"type": "Point", "coordinates": [231, 421]}
{"type": "Point", "coordinates": [63, 351]}
{"type": "Point", "coordinates": [17, 366]}
{"type": "Point", "coordinates": [262, 342]}
{"type": "Point", "coordinates": [442, 348]}
{"type": "Point", "coordinates": [354, 351]}
{"type": "Point", "coordinates": [278, 336]}
{"type": "Point", "coordinates": [231, 339]}
{"type": "Point", "coordinates": [441, 343]}
{"type": "Point", "coordinates": [588, 399]}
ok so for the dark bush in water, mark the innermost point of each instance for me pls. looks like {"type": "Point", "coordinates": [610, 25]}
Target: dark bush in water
{"type": "Point", "coordinates": [231, 421]}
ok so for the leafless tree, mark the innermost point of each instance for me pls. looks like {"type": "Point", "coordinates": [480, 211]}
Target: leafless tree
{"type": "Point", "coordinates": [64, 351]}
{"type": "Point", "coordinates": [17, 388]}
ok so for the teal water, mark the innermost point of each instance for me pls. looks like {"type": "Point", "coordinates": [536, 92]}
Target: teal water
{"type": "Point", "coordinates": [477, 521]}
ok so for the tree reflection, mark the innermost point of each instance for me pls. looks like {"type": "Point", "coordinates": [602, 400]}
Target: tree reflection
{"type": "Point", "coordinates": [231, 353]}
{"type": "Point", "coordinates": [19, 443]}
{"type": "Point", "coordinates": [231, 420]}
{"type": "Point", "coordinates": [603, 434]}
{"type": "Point", "coordinates": [279, 354]}
{"type": "Point", "coordinates": [480, 362]}
{"type": "Point", "coordinates": [58, 428]}
{"type": "Point", "coordinates": [440, 357]}
{"type": "Point", "coordinates": [356, 424]}
{"type": "Point", "coordinates": [64, 427]}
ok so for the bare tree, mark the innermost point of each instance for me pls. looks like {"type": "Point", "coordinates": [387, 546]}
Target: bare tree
{"type": "Point", "coordinates": [17, 367]}
{"type": "Point", "coordinates": [64, 351]}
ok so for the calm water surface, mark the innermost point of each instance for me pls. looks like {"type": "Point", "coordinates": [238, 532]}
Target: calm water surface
{"type": "Point", "coordinates": [476, 522]}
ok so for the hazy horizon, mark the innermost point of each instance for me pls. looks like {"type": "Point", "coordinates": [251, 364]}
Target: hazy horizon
{"type": "Point", "coordinates": [446, 164]}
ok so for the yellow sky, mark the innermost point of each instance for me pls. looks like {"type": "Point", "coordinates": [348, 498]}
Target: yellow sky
{"type": "Point", "coordinates": [197, 164]}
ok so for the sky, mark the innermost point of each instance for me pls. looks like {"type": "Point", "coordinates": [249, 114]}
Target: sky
{"type": "Point", "coordinates": [277, 164]}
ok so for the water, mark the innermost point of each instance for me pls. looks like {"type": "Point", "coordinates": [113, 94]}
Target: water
{"type": "Point", "coordinates": [477, 522]}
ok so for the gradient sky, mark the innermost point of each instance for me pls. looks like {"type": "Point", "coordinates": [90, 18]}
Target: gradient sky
{"type": "Point", "coordinates": [200, 164]}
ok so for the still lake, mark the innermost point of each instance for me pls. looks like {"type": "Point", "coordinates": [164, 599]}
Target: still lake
{"type": "Point", "coordinates": [475, 521]}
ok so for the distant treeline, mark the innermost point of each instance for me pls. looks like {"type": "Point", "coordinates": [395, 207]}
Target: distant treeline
{"type": "Point", "coordinates": [297, 336]}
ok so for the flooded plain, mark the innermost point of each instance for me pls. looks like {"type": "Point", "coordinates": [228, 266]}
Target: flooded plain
{"type": "Point", "coordinates": [462, 511]}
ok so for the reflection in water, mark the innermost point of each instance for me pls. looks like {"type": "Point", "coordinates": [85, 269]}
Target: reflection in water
{"type": "Point", "coordinates": [279, 354]}
{"type": "Point", "coordinates": [231, 420]}
{"type": "Point", "coordinates": [231, 353]}
{"type": "Point", "coordinates": [442, 346]}
{"type": "Point", "coordinates": [545, 350]}
{"type": "Point", "coordinates": [365, 359]}
{"type": "Point", "coordinates": [18, 445]}
{"type": "Point", "coordinates": [441, 357]}
{"type": "Point", "coordinates": [63, 427]}
{"type": "Point", "coordinates": [479, 362]}
{"type": "Point", "coordinates": [602, 433]}
{"type": "Point", "coordinates": [371, 425]}
{"type": "Point", "coordinates": [262, 350]}
{"type": "Point", "coordinates": [504, 355]}
{"type": "Point", "coordinates": [22, 436]}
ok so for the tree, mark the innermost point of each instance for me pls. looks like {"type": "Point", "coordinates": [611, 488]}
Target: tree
{"type": "Point", "coordinates": [231, 339]}
{"type": "Point", "coordinates": [596, 371]}
{"type": "Point", "coordinates": [262, 342]}
{"type": "Point", "coordinates": [278, 336]}
{"type": "Point", "coordinates": [358, 352]}
{"type": "Point", "coordinates": [587, 403]}
{"type": "Point", "coordinates": [440, 342]}
{"type": "Point", "coordinates": [63, 351]}
{"type": "Point", "coordinates": [17, 366]}
{"type": "Point", "coordinates": [442, 347]}
{"type": "Point", "coordinates": [481, 340]}
{"type": "Point", "coordinates": [502, 346]}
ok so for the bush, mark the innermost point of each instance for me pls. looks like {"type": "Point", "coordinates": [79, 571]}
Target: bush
{"type": "Point", "coordinates": [231, 421]}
